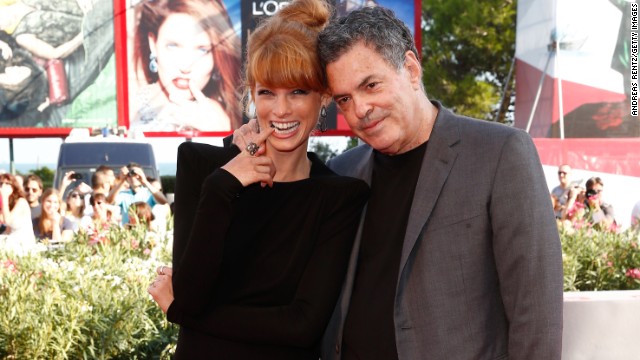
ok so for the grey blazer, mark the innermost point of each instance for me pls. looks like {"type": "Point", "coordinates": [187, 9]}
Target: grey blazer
{"type": "Point", "coordinates": [481, 268]}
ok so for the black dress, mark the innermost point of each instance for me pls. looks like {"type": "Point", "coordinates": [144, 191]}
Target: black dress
{"type": "Point", "coordinates": [257, 271]}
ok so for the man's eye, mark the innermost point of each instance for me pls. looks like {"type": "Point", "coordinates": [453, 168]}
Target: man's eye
{"type": "Point", "coordinates": [342, 100]}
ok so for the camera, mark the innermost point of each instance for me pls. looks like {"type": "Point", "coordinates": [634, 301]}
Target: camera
{"type": "Point", "coordinates": [590, 193]}
{"type": "Point", "coordinates": [76, 176]}
{"type": "Point", "coordinates": [131, 172]}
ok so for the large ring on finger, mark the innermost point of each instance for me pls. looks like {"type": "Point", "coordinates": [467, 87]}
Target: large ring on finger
{"type": "Point", "coordinates": [161, 270]}
{"type": "Point", "coordinates": [252, 148]}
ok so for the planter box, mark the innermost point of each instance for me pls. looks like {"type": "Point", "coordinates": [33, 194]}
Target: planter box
{"type": "Point", "coordinates": [601, 325]}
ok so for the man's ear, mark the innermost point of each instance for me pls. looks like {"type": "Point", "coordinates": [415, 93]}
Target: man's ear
{"type": "Point", "coordinates": [414, 68]}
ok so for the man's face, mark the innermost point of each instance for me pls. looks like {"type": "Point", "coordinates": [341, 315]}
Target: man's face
{"type": "Point", "coordinates": [377, 100]}
{"type": "Point", "coordinates": [564, 175]}
{"type": "Point", "coordinates": [33, 192]}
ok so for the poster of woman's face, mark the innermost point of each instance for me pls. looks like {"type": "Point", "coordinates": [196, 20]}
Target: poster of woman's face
{"type": "Point", "coordinates": [56, 64]}
{"type": "Point", "coordinates": [185, 66]}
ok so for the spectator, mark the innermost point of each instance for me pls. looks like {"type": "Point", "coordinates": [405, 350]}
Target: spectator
{"type": "Point", "coordinates": [70, 182]}
{"type": "Point", "coordinates": [33, 191]}
{"type": "Point", "coordinates": [140, 214]}
{"type": "Point", "coordinates": [51, 226]}
{"type": "Point", "coordinates": [75, 208]}
{"type": "Point", "coordinates": [587, 207]}
{"type": "Point", "coordinates": [139, 190]}
{"type": "Point", "coordinates": [102, 215]}
{"type": "Point", "coordinates": [101, 182]}
{"type": "Point", "coordinates": [14, 216]}
{"type": "Point", "coordinates": [560, 193]}
{"type": "Point", "coordinates": [110, 176]}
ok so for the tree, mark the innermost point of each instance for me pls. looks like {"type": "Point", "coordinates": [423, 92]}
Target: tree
{"type": "Point", "coordinates": [46, 175]}
{"type": "Point", "coordinates": [322, 149]}
{"type": "Point", "coordinates": [467, 51]}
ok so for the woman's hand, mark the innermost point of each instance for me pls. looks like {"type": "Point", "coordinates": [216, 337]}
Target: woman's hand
{"type": "Point", "coordinates": [250, 132]}
{"type": "Point", "coordinates": [161, 289]}
{"type": "Point", "coordinates": [251, 168]}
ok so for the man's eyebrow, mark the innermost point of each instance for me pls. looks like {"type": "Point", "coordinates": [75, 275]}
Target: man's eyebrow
{"type": "Point", "coordinates": [362, 83]}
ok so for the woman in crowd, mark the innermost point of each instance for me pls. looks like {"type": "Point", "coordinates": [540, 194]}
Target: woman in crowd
{"type": "Point", "coordinates": [51, 225]}
{"type": "Point", "coordinates": [75, 208]}
{"type": "Point", "coordinates": [190, 56]}
{"type": "Point", "coordinates": [263, 235]}
{"type": "Point", "coordinates": [140, 214]}
{"type": "Point", "coordinates": [15, 216]}
{"type": "Point", "coordinates": [102, 216]}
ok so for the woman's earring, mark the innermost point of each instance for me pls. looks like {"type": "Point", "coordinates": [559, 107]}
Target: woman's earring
{"type": "Point", "coordinates": [215, 76]}
{"type": "Point", "coordinates": [153, 63]}
{"type": "Point", "coordinates": [322, 123]}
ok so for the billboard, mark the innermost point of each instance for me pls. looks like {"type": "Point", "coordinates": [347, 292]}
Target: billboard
{"type": "Point", "coordinates": [128, 63]}
{"type": "Point", "coordinates": [57, 65]}
{"type": "Point", "coordinates": [576, 68]}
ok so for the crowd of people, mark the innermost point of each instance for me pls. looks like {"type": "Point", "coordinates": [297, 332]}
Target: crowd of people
{"type": "Point", "coordinates": [31, 214]}
{"type": "Point", "coordinates": [579, 204]}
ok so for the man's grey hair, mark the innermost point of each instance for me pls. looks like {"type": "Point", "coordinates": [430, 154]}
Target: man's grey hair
{"type": "Point", "coordinates": [376, 27]}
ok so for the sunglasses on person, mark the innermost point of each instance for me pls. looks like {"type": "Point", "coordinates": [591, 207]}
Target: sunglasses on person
{"type": "Point", "coordinates": [562, 173]}
{"type": "Point", "coordinates": [33, 190]}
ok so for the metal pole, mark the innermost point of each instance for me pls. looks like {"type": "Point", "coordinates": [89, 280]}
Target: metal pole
{"type": "Point", "coordinates": [535, 102]}
{"type": "Point", "coordinates": [12, 165]}
{"type": "Point", "coordinates": [560, 102]}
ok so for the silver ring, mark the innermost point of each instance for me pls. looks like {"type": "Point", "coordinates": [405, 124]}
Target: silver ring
{"type": "Point", "coordinates": [162, 270]}
{"type": "Point", "coordinates": [252, 148]}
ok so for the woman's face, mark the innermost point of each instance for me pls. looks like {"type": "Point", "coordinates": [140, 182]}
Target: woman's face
{"type": "Point", "coordinates": [75, 200]}
{"type": "Point", "coordinates": [184, 55]}
{"type": "Point", "coordinates": [292, 112]}
{"type": "Point", "coordinates": [51, 204]}
{"type": "Point", "coordinates": [99, 209]}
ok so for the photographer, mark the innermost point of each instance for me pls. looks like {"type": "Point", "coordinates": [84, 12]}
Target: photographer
{"type": "Point", "coordinates": [586, 205]}
{"type": "Point", "coordinates": [140, 189]}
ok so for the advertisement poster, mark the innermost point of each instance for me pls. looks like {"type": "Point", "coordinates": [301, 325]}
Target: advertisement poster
{"type": "Point", "coordinates": [160, 67]}
{"type": "Point", "coordinates": [57, 67]}
{"type": "Point", "coordinates": [576, 68]}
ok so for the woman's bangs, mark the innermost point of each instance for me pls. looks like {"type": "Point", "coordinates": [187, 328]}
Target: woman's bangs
{"type": "Point", "coordinates": [285, 67]}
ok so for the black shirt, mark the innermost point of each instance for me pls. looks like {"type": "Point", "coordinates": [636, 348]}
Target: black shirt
{"type": "Point", "coordinates": [261, 268]}
{"type": "Point", "coordinates": [369, 331]}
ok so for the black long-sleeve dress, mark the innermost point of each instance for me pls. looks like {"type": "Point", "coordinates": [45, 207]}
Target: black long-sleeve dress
{"type": "Point", "coordinates": [257, 271]}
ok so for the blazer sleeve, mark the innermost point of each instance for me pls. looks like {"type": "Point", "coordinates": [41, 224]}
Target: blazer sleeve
{"type": "Point", "coordinates": [204, 219]}
{"type": "Point", "coordinates": [527, 252]}
{"type": "Point", "coordinates": [301, 322]}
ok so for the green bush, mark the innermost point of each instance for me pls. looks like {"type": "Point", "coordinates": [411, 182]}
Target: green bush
{"type": "Point", "coordinates": [600, 260]}
{"type": "Point", "coordinates": [87, 300]}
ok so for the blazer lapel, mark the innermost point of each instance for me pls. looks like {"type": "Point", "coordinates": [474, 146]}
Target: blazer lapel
{"type": "Point", "coordinates": [436, 166]}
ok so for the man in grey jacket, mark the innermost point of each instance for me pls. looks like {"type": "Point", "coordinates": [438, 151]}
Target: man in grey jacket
{"type": "Point", "coordinates": [458, 254]}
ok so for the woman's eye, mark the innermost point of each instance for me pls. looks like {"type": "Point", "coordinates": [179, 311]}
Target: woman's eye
{"type": "Point", "coordinates": [204, 50]}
